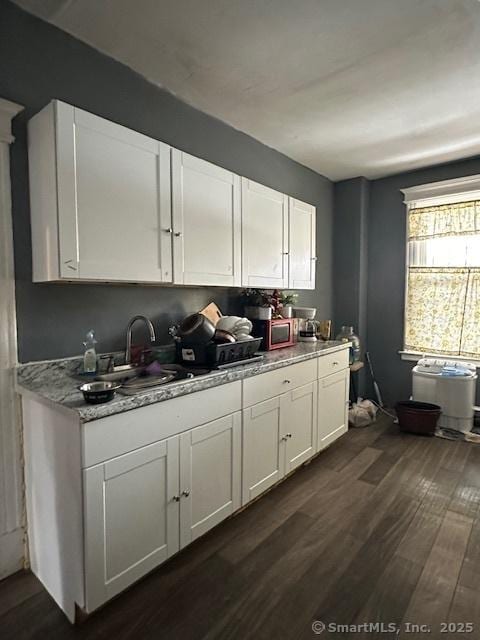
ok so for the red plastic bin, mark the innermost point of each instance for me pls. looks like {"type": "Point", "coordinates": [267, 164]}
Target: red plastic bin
{"type": "Point", "coordinates": [418, 417]}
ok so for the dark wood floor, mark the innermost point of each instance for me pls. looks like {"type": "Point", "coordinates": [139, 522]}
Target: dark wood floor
{"type": "Point", "coordinates": [381, 527]}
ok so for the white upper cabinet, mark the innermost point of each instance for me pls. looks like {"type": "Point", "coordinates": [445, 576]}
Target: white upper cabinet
{"type": "Point", "coordinates": [265, 236]}
{"type": "Point", "coordinates": [109, 204]}
{"type": "Point", "coordinates": [100, 199]}
{"type": "Point", "coordinates": [206, 223]}
{"type": "Point", "coordinates": [278, 239]}
{"type": "Point", "coordinates": [301, 252]}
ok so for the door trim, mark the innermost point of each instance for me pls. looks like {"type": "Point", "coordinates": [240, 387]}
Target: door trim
{"type": "Point", "coordinates": [11, 501]}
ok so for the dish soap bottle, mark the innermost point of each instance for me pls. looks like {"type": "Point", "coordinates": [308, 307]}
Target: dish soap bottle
{"type": "Point", "coordinates": [90, 355]}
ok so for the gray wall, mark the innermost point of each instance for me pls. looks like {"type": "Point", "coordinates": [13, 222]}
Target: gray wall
{"type": "Point", "coordinates": [350, 253]}
{"type": "Point", "coordinates": [386, 272]}
{"type": "Point", "coordinates": [350, 262]}
{"type": "Point", "coordinates": [39, 62]}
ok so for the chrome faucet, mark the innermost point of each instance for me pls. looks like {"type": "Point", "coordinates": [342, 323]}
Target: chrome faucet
{"type": "Point", "coordinates": [148, 324]}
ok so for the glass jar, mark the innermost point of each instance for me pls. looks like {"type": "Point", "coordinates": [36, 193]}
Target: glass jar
{"type": "Point", "coordinates": [346, 335]}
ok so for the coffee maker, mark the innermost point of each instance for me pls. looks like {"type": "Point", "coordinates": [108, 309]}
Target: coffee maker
{"type": "Point", "coordinates": [307, 326]}
{"type": "Point", "coordinates": [307, 330]}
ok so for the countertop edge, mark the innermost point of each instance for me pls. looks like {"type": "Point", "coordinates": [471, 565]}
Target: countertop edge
{"type": "Point", "coordinates": [48, 402]}
{"type": "Point", "coordinates": [90, 413]}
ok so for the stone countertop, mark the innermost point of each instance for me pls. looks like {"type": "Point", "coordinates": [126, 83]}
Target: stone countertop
{"type": "Point", "coordinates": [54, 382]}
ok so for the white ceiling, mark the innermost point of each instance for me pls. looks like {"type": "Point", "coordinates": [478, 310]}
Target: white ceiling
{"type": "Point", "coordinates": [346, 87]}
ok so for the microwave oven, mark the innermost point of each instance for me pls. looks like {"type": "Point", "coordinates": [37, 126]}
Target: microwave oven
{"type": "Point", "coordinates": [275, 334]}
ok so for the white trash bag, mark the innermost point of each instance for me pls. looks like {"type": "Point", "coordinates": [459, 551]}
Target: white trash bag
{"type": "Point", "coordinates": [362, 413]}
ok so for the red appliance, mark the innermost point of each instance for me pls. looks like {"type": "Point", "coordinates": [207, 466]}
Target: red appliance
{"type": "Point", "coordinates": [276, 333]}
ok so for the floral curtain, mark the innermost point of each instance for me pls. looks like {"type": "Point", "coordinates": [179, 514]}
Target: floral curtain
{"type": "Point", "coordinates": [470, 342]}
{"type": "Point", "coordinates": [459, 218]}
{"type": "Point", "coordinates": [442, 311]}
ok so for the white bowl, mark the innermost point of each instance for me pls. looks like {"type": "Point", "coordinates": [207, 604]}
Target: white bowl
{"type": "Point", "coordinates": [227, 323]}
{"type": "Point", "coordinates": [234, 324]}
{"type": "Point", "coordinates": [305, 312]}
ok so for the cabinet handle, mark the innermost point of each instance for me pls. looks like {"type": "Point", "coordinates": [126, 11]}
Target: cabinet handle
{"type": "Point", "coordinates": [70, 266]}
{"type": "Point", "coordinates": [285, 253]}
{"type": "Point", "coordinates": [169, 230]}
{"type": "Point", "coordinates": [177, 234]}
{"type": "Point", "coordinates": [186, 493]}
{"type": "Point", "coordinates": [176, 498]}
{"type": "Point", "coordinates": [314, 259]}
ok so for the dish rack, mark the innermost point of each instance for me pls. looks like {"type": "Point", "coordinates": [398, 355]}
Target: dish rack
{"type": "Point", "coordinates": [216, 354]}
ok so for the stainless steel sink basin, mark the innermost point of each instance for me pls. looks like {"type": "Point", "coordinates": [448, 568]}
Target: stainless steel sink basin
{"type": "Point", "coordinates": [121, 372]}
{"type": "Point", "coordinates": [134, 385]}
{"type": "Point", "coordinates": [134, 379]}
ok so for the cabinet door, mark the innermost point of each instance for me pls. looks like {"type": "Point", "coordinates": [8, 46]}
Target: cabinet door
{"type": "Point", "coordinates": [332, 407]}
{"type": "Point", "coordinates": [131, 518]}
{"type": "Point", "coordinates": [206, 223]}
{"type": "Point", "coordinates": [210, 476]}
{"type": "Point", "coordinates": [263, 448]}
{"type": "Point", "coordinates": [113, 201]}
{"type": "Point", "coordinates": [299, 425]}
{"type": "Point", "coordinates": [302, 241]}
{"type": "Point", "coordinates": [264, 236]}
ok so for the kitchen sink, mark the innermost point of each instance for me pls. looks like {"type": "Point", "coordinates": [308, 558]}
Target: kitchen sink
{"type": "Point", "coordinates": [121, 372]}
{"type": "Point", "coordinates": [140, 383]}
{"type": "Point", "coordinates": [134, 378]}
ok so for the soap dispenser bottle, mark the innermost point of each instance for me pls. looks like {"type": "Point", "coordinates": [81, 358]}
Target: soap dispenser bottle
{"type": "Point", "coordinates": [90, 355]}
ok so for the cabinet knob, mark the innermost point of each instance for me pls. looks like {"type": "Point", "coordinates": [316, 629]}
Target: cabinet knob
{"type": "Point", "coordinates": [169, 230]}
{"type": "Point", "coordinates": [186, 493]}
{"type": "Point", "coordinates": [314, 259]}
{"type": "Point", "coordinates": [286, 381]}
{"type": "Point", "coordinates": [178, 234]}
{"type": "Point", "coordinates": [283, 438]}
{"type": "Point", "coordinates": [288, 435]}
{"type": "Point", "coordinates": [176, 498]}
{"type": "Point", "coordinates": [285, 253]}
{"type": "Point", "coordinates": [335, 364]}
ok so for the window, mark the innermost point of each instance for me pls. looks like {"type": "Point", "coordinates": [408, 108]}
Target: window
{"type": "Point", "coordinates": [442, 304]}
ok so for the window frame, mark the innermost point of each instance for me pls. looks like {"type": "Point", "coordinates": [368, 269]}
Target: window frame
{"type": "Point", "coordinates": [434, 194]}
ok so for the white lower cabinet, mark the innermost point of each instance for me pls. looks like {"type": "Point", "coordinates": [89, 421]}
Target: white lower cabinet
{"type": "Point", "coordinates": [131, 518]}
{"type": "Point", "coordinates": [145, 499]}
{"type": "Point", "coordinates": [332, 407]}
{"type": "Point", "coordinates": [299, 425]}
{"type": "Point", "coordinates": [210, 475]}
{"type": "Point", "coordinates": [143, 506]}
{"type": "Point", "coordinates": [278, 435]}
{"type": "Point", "coordinates": [263, 448]}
